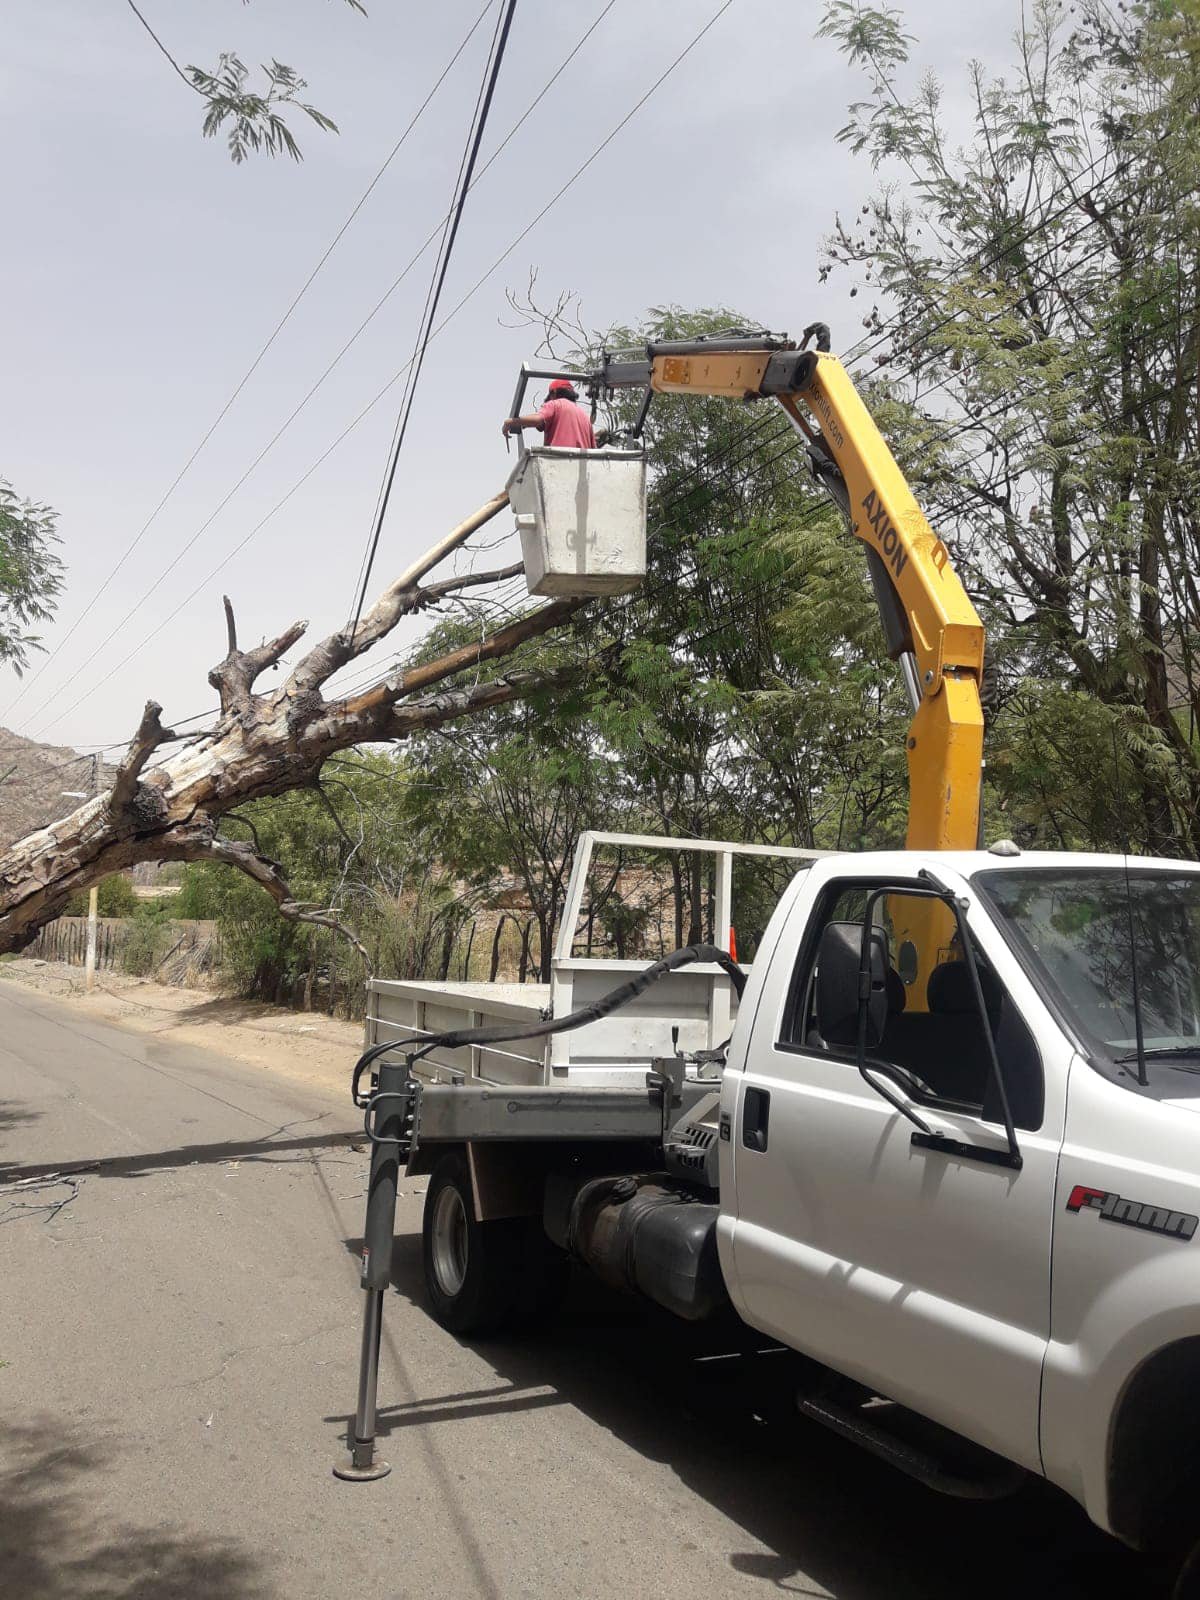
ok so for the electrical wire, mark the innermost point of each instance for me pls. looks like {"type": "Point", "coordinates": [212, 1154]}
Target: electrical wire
{"type": "Point", "coordinates": [319, 382]}
{"type": "Point", "coordinates": [710, 460]}
{"type": "Point", "coordinates": [966, 425]}
{"type": "Point", "coordinates": [254, 365]}
{"type": "Point", "coordinates": [395, 378]}
{"type": "Point", "coordinates": [793, 446]}
{"type": "Point", "coordinates": [434, 295]}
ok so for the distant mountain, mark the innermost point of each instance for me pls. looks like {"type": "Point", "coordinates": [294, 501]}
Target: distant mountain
{"type": "Point", "coordinates": [32, 779]}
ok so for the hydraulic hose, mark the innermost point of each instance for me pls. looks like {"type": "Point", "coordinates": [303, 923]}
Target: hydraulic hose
{"type": "Point", "coordinates": [504, 1033]}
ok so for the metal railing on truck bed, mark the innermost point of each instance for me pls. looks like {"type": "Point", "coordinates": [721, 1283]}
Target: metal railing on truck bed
{"type": "Point", "coordinates": [614, 1051]}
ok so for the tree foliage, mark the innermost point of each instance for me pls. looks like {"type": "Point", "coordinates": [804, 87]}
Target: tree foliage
{"type": "Point", "coordinates": [1045, 278]}
{"type": "Point", "coordinates": [31, 574]}
{"type": "Point", "coordinates": [114, 898]}
{"type": "Point", "coordinates": [741, 693]}
{"type": "Point", "coordinates": [253, 120]}
{"type": "Point", "coordinates": [346, 845]}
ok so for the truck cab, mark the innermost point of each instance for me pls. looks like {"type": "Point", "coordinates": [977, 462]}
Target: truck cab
{"type": "Point", "coordinates": [1045, 1307]}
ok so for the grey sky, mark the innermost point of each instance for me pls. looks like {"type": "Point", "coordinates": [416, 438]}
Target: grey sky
{"type": "Point", "coordinates": [142, 272]}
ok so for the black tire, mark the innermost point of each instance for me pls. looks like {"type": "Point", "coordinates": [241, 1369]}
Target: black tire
{"type": "Point", "coordinates": [482, 1277]}
{"type": "Point", "coordinates": [1187, 1580]}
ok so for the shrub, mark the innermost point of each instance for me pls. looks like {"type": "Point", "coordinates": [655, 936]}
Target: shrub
{"type": "Point", "coordinates": [114, 898]}
{"type": "Point", "coordinates": [150, 937]}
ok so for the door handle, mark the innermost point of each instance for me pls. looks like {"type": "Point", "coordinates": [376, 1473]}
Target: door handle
{"type": "Point", "coordinates": [756, 1113]}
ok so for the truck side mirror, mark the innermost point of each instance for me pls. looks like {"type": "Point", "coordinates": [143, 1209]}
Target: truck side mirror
{"type": "Point", "coordinates": [839, 957]}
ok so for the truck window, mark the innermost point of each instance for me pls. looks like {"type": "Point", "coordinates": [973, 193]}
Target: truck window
{"type": "Point", "coordinates": [1074, 925]}
{"type": "Point", "coordinates": [938, 1055]}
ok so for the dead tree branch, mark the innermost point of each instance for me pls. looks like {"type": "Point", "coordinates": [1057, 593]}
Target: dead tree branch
{"type": "Point", "coordinates": [150, 734]}
{"type": "Point", "coordinates": [269, 742]}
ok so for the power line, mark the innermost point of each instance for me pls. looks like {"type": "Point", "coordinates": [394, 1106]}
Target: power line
{"type": "Point", "coordinates": [361, 582]}
{"type": "Point", "coordinates": [180, 73]}
{"type": "Point", "coordinates": [718, 459]}
{"type": "Point", "coordinates": [964, 426]}
{"type": "Point", "coordinates": [754, 433]}
{"type": "Point", "coordinates": [255, 364]}
{"type": "Point", "coordinates": [434, 296]}
{"type": "Point", "coordinates": [286, 424]}
{"type": "Point", "coordinates": [395, 378]}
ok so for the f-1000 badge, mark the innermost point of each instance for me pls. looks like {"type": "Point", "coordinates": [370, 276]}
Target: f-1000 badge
{"type": "Point", "coordinates": [1133, 1213]}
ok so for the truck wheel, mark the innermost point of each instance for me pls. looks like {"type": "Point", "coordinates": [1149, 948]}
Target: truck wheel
{"type": "Point", "coordinates": [1187, 1581]}
{"type": "Point", "coordinates": [484, 1276]}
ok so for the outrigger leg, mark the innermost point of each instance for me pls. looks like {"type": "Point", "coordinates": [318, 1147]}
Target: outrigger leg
{"type": "Point", "coordinates": [387, 1123]}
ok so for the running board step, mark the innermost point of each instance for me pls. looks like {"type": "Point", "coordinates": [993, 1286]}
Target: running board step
{"type": "Point", "coordinates": [959, 1468]}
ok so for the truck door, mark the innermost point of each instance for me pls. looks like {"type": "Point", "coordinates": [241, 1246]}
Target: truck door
{"type": "Point", "coordinates": [923, 1274]}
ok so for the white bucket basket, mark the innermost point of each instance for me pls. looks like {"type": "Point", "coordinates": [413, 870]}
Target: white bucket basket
{"type": "Point", "coordinates": [582, 520]}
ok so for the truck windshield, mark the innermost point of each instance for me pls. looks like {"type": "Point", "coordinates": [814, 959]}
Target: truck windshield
{"type": "Point", "coordinates": [1074, 925]}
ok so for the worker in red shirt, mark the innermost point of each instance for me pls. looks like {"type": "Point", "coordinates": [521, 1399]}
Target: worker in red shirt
{"type": "Point", "coordinates": [562, 419]}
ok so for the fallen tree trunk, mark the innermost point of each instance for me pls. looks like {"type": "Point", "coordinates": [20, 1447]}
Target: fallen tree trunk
{"type": "Point", "coordinates": [266, 744]}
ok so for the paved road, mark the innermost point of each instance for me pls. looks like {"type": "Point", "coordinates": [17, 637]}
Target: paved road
{"type": "Point", "coordinates": [177, 1353]}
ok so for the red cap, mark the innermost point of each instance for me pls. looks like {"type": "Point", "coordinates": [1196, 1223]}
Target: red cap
{"type": "Point", "coordinates": [562, 386]}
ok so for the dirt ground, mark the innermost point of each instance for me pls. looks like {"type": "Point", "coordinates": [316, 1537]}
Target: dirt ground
{"type": "Point", "coordinates": [303, 1047]}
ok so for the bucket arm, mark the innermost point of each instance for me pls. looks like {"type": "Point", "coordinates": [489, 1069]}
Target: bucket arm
{"type": "Point", "coordinates": [929, 623]}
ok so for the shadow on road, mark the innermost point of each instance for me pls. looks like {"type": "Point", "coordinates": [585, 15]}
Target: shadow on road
{"type": "Point", "coordinates": [267, 1149]}
{"type": "Point", "coordinates": [12, 1114]}
{"type": "Point", "coordinates": [716, 1406]}
{"type": "Point", "coordinates": [54, 1546]}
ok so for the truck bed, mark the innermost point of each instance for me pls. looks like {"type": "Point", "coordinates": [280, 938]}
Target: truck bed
{"type": "Point", "coordinates": [615, 1052]}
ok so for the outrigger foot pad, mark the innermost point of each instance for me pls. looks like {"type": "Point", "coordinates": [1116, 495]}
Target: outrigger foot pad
{"type": "Point", "coordinates": [354, 1470]}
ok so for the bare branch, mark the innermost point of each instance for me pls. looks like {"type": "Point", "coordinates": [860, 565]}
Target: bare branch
{"type": "Point", "coordinates": [437, 591]}
{"type": "Point", "coordinates": [235, 676]}
{"type": "Point", "coordinates": [396, 601]}
{"type": "Point", "coordinates": [269, 875]}
{"type": "Point", "coordinates": [467, 655]}
{"type": "Point", "coordinates": [150, 734]}
{"type": "Point", "coordinates": [265, 744]}
{"type": "Point", "coordinates": [433, 710]}
{"type": "Point", "coordinates": [199, 841]}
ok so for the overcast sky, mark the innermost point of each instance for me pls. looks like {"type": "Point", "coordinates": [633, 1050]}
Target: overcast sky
{"type": "Point", "coordinates": [142, 271]}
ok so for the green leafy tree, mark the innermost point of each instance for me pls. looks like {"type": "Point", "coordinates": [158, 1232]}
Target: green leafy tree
{"type": "Point", "coordinates": [1040, 351]}
{"type": "Point", "coordinates": [502, 802]}
{"type": "Point", "coordinates": [746, 687]}
{"type": "Point", "coordinates": [151, 935]}
{"type": "Point", "coordinates": [31, 574]}
{"type": "Point", "coordinates": [347, 846]}
{"type": "Point", "coordinates": [742, 691]}
{"type": "Point", "coordinates": [114, 898]}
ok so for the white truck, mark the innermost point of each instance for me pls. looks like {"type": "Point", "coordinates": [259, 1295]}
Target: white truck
{"type": "Point", "coordinates": [948, 1148]}
{"type": "Point", "coordinates": [848, 1181]}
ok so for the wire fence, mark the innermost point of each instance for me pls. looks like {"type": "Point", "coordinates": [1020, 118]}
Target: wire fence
{"type": "Point", "coordinates": [171, 952]}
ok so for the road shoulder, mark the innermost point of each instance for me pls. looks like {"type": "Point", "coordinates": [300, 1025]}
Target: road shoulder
{"type": "Point", "coordinates": [303, 1047]}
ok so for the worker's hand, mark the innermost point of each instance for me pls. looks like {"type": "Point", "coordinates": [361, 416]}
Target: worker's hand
{"type": "Point", "coordinates": [507, 427]}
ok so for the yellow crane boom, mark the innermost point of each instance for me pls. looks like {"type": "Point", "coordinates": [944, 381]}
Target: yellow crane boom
{"type": "Point", "coordinates": [929, 622]}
